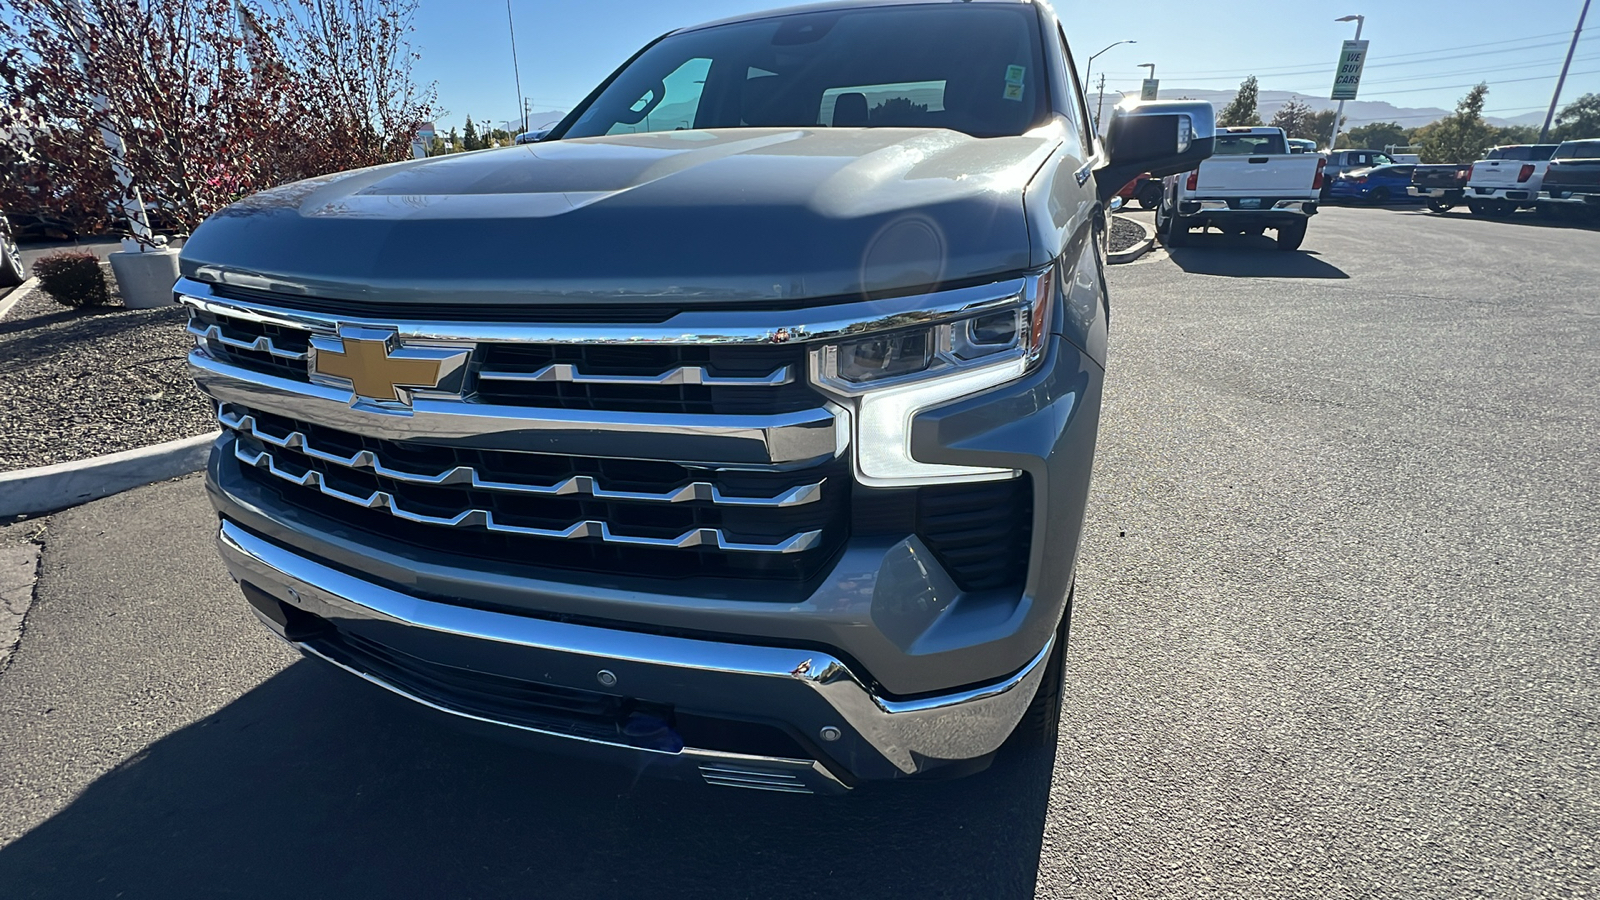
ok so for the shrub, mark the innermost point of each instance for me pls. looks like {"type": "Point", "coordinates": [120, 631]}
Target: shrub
{"type": "Point", "coordinates": [73, 278]}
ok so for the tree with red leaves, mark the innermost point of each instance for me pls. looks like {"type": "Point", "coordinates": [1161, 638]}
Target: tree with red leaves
{"type": "Point", "coordinates": [211, 99]}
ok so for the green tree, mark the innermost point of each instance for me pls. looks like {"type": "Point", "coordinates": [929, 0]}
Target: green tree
{"type": "Point", "coordinates": [1294, 118]}
{"type": "Point", "coordinates": [1461, 137]}
{"type": "Point", "coordinates": [469, 136]}
{"type": "Point", "coordinates": [1241, 110]}
{"type": "Point", "coordinates": [1321, 124]}
{"type": "Point", "coordinates": [1579, 119]}
{"type": "Point", "coordinates": [1377, 135]}
{"type": "Point", "coordinates": [1516, 134]}
{"type": "Point", "coordinates": [454, 142]}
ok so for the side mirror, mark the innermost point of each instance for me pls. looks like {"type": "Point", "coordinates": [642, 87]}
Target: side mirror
{"type": "Point", "coordinates": [533, 137]}
{"type": "Point", "coordinates": [1162, 137]}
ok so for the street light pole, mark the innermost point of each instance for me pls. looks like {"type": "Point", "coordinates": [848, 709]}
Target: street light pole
{"type": "Point", "coordinates": [1090, 68]}
{"type": "Point", "coordinates": [1333, 139]}
{"type": "Point", "coordinates": [1544, 133]}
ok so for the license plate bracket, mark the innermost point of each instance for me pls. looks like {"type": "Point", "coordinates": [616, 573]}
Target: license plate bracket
{"type": "Point", "coordinates": [1250, 203]}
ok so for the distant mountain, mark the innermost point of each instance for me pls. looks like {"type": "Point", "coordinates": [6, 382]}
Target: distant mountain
{"type": "Point", "coordinates": [1357, 112]}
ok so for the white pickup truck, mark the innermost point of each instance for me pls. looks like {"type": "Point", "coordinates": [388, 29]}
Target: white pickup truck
{"type": "Point", "coordinates": [1507, 179]}
{"type": "Point", "coordinates": [1251, 183]}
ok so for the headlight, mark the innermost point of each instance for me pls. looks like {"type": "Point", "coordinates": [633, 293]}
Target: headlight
{"type": "Point", "coordinates": [886, 378]}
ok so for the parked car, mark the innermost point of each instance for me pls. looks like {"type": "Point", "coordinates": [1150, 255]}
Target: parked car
{"type": "Point", "coordinates": [12, 272]}
{"type": "Point", "coordinates": [1572, 181]}
{"type": "Point", "coordinates": [1146, 189]}
{"type": "Point", "coordinates": [756, 453]}
{"type": "Point", "coordinates": [1301, 145]}
{"type": "Point", "coordinates": [1348, 160]}
{"type": "Point", "coordinates": [38, 227]}
{"type": "Point", "coordinates": [1507, 179]}
{"type": "Point", "coordinates": [1250, 184]}
{"type": "Point", "coordinates": [1377, 185]}
{"type": "Point", "coordinates": [1442, 187]}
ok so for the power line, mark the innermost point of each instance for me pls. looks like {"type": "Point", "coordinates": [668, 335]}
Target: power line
{"type": "Point", "coordinates": [1294, 70]}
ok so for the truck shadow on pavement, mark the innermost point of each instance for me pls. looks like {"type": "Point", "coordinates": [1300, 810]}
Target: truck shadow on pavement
{"type": "Point", "coordinates": [1248, 256]}
{"type": "Point", "coordinates": [314, 784]}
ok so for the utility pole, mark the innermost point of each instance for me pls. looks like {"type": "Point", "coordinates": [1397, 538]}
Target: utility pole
{"type": "Point", "coordinates": [515, 71]}
{"type": "Point", "coordinates": [1100, 103]}
{"type": "Point", "coordinates": [1333, 139]}
{"type": "Point", "coordinates": [527, 110]}
{"type": "Point", "coordinates": [1544, 133]}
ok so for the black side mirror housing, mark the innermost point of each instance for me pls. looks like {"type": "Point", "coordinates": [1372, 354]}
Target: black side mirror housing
{"type": "Point", "coordinates": [1162, 137]}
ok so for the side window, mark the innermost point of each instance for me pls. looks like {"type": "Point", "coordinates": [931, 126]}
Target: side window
{"type": "Point", "coordinates": [675, 109]}
{"type": "Point", "coordinates": [1079, 111]}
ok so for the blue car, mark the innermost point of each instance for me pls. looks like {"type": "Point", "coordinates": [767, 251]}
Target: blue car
{"type": "Point", "coordinates": [1379, 184]}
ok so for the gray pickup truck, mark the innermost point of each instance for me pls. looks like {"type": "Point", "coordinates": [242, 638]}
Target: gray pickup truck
{"type": "Point", "coordinates": [738, 429]}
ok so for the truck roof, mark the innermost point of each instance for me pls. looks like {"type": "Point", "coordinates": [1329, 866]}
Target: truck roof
{"type": "Point", "coordinates": [841, 5]}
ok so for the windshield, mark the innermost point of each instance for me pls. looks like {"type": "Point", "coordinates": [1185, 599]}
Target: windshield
{"type": "Point", "coordinates": [974, 69]}
{"type": "Point", "coordinates": [1267, 142]}
{"type": "Point", "coordinates": [1579, 150]}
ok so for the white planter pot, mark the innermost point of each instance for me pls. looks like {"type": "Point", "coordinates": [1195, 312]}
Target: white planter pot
{"type": "Point", "coordinates": [145, 279]}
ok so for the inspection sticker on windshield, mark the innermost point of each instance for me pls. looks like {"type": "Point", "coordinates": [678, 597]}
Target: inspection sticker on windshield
{"type": "Point", "coordinates": [1014, 74]}
{"type": "Point", "coordinates": [1013, 92]}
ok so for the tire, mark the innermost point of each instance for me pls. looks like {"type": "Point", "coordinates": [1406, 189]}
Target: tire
{"type": "Point", "coordinates": [1150, 195]}
{"type": "Point", "coordinates": [12, 272]}
{"type": "Point", "coordinates": [1177, 231]}
{"type": "Point", "coordinates": [1478, 209]}
{"type": "Point", "coordinates": [1441, 206]}
{"type": "Point", "coordinates": [1500, 210]}
{"type": "Point", "coordinates": [1380, 196]}
{"type": "Point", "coordinates": [1290, 236]}
{"type": "Point", "coordinates": [1041, 722]}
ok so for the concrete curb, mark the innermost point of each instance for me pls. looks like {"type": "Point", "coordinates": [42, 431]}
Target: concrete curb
{"type": "Point", "coordinates": [30, 492]}
{"type": "Point", "coordinates": [17, 293]}
{"type": "Point", "coordinates": [1137, 250]}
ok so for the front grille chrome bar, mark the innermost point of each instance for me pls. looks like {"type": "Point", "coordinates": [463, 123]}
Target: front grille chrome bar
{"type": "Point", "coordinates": [707, 326]}
{"type": "Point", "coordinates": [262, 344]}
{"type": "Point", "coordinates": [692, 375]}
{"type": "Point", "coordinates": [244, 423]}
{"type": "Point", "coordinates": [482, 518]}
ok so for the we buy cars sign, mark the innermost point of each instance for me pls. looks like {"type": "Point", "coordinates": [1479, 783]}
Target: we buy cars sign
{"type": "Point", "coordinates": [1347, 78]}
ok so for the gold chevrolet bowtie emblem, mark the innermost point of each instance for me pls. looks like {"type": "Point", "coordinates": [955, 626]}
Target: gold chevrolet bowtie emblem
{"type": "Point", "coordinates": [375, 366]}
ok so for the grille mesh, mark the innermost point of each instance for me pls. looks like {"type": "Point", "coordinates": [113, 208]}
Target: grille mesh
{"type": "Point", "coordinates": [757, 525]}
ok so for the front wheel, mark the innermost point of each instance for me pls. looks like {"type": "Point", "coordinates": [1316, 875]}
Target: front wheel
{"type": "Point", "coordinates": [12, 272]}
{"type": "Point", "coordinates": [1041, 723]}
{"type": "Point", "coordinates": [1150, 195]}
{"type": "Point", "coordinates": [1380, 196]}
{"type": "Point", "coordinates": [1290, 236]}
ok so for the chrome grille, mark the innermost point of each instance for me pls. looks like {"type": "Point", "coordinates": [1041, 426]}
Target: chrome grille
{"type": "Point", "coordinates": [609, 515]}
{"type": "Point", "coordinates": [657, 378]}
{"type": "Point", "coordinates": [704, 380]}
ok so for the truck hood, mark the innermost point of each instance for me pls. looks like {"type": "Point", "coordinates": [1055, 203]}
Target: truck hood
{"type": "Point", "coordinates": [700, 217]}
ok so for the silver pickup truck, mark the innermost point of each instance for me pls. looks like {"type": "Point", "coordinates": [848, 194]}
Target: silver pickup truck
{"type": "Point", "coordinates": [738, 429]}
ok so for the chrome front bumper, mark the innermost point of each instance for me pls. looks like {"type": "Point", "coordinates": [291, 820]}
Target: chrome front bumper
{"type": "Point", "coordinates": [857, 734]}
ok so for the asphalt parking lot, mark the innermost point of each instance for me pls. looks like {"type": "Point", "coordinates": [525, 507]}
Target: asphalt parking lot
{"type": "Point", "coordinates": [1336, 636]}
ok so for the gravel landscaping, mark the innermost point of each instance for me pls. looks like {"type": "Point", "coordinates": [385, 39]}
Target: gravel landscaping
{"type": "Point", "coordinates": [75, 384]}
{"type": "Point", "coordinates": [1124, 234]}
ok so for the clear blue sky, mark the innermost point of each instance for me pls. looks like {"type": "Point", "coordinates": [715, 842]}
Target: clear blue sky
{"type": "Point", "coordinates": [1423, 52]}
